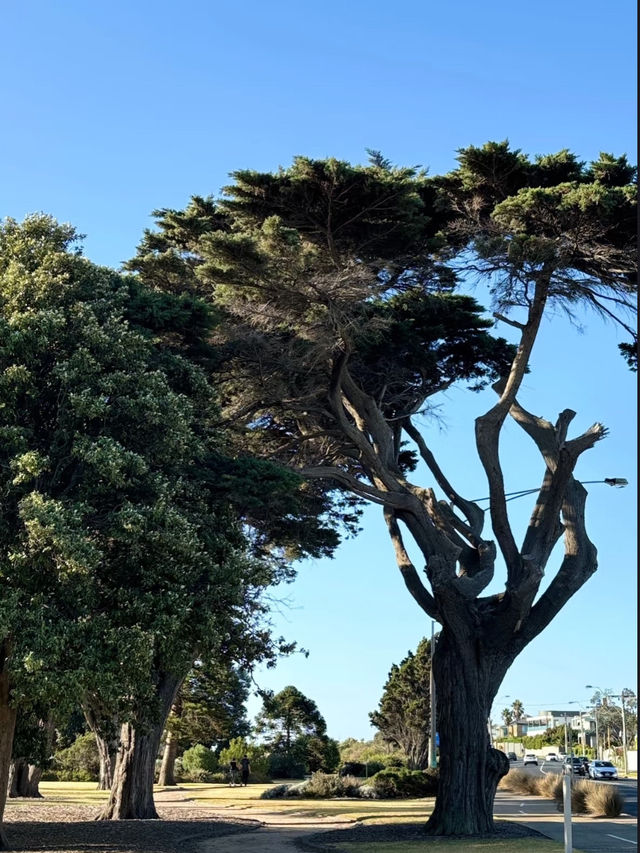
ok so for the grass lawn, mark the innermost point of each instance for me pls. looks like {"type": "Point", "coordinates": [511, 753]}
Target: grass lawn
{"type": "Point", "coordinates": [245, 802]}
{"type": "Point", "coordinates": [519, 845]}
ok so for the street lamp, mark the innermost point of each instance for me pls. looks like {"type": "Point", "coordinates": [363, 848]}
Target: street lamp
{"type": "Point", "coordinates": [621, 697]}
{"type": "Point", "coordinates": [582, 736]}
{"type": "Point", "coordinates": [617, 482]}
{"type": "Point", "coordinates": [595, 714]}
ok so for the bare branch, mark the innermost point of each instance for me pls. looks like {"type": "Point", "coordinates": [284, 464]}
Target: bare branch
{"type": "Point", "coordinates": [407, 569]}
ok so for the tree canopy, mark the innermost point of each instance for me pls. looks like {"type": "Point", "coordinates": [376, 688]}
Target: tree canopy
{"type": "Point", "coordinates": [403, 716]}
{"type": "Point", "coordinates": [338, 288]}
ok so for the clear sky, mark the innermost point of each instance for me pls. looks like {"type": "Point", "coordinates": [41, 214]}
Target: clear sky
{"type": "Point", "coordinates": [111, 110]}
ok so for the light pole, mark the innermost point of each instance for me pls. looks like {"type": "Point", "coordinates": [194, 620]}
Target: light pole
{"type": "Point", "coordinates": [624, 734]}
{"type": "Point", "coordinates": [595, 713]}
{"type": "Point", "coordinates": [617, 482]}
{"type": "Point", "coordinates": [582, 737]}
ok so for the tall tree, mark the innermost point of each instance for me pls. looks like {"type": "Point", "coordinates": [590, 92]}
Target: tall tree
{"type": "Point", "coordinates": [286, 716]}
{"type": "Point", "coordinates": [209, 709]}
{"type": "Point", "coordinates": [123, 553]}
{"type": "Point", "coordinates": [342, 324]}
{"type": "Point", "coordinates": [404, 711]}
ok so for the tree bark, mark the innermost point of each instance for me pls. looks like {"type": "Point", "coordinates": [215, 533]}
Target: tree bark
{"type": "Point", "coordinates": [106, 735]}
{"type": "Point", "coordinates": [24, 779]}
{"type": "Point", "coordinates": [132, 789]}
{"type": "Point", "coordinates": [470, 768]}
{"type": "Point", "coordinates": [167, 768]}
{"type": "Point", "coordinates": [107, 754]}
{"type": "Point", "coordinates": [7, 728]}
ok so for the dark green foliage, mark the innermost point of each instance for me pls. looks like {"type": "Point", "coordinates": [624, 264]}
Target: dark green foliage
{"type": "Point", "coordinates": [78, 762]}
{"type": "Point", "coordinates": [404, 712]}
{"type": "Point", "coordinates": [198, 763]}
{"type": "Point", "coordinates": [405, 784]}
{"type": "Point", "coordinates": [355, 768]}
{"type": "Point", "coordinates": [210, 707]}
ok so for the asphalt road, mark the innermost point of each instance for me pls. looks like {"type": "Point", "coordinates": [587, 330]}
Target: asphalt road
{"type": "Point", "coordinates": [593, 835]}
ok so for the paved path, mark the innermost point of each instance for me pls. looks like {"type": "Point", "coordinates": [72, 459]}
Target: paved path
{"type": "Point", "coordinates": [277, 835]}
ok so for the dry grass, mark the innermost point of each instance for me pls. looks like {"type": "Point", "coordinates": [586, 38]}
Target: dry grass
{"type": "Point", "coordinates": [550, 786]}
{"type": "Point", "coordinates": [602, 800]}
{"type": "Point", "coordinates": [520, 782]}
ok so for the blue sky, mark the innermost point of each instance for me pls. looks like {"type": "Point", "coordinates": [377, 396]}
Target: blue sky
{"type": "Point", "coordinates": [113, 109]}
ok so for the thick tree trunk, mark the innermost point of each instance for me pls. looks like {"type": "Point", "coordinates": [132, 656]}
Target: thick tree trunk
{"type": "Point", "coordinates": [7, 728]}
{"type": "Point", "coordinates": [107, 754]}
{"type": "Point", "coordinates": [132, 789]}
{"type": "Point", "coordinates": [106, 735]}
{"type": "Point", "coordinates": [24, 779]}
{"type": "Point", "coordinates": [167, 768]}
{"type": "Point", "coordinates": [469, 769]}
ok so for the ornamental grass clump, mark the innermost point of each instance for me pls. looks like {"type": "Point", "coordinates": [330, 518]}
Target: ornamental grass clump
{"type": "Point", "coordinates": [550, 786]}
{"type": "Point", "coordinates": [603, 800]}
{"type": "Point", "coordinates": [520, 782]}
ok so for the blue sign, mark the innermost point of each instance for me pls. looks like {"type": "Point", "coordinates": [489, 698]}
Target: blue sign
{"type": "Point", "coordinates": [437, 739]}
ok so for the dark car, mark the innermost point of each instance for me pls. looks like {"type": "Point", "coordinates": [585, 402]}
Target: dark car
{"type": "Point", "coordinates": [512, 756]}
{"type": "Point", "coordinates": [576, 765]}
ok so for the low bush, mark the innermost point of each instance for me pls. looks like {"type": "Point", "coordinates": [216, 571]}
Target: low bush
{"type": "Point", "coordinates": [579, 793]}
{"type": "Point", "coordinates": [403, 783]}
{"type": "Point", "coordinates": [357, 768]}
{"type": "Point", "coordinates": [520, 782]}
{"type": "Point", "coordinates": [198, 763]}
{"type": "Point", "coordinates": [285, 791]}
{"type": "Point", "coordinates": [550, 786]}
{"type": "Point", "coordinates": [603, 800]}
{"type": "Point", "coordinates": [78, 762]}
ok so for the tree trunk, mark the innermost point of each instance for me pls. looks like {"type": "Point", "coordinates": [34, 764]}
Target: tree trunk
{"type": "Point", "coordinates": [132, 789]}
{"type": "Point", "coordinates": [24, 779]}
{"type": "Point", "coordinates": [469, 768]}
{"type": "Point", "coordinates": [106, 735]}
{"type": "Point", "coordinates": [107, 755]}
{"type": "Point", "coordinates": [167, 768]}
{"type": "Point", "coordinates": [7, 728]}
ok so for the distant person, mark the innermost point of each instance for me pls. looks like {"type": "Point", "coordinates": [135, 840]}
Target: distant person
{"type": "Point", "coordinates": [245, 769]}
{"type": "Point", "coordinates": [233, 772]}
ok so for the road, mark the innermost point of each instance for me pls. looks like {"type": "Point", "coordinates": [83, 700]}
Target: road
{"type": "Point", "coordinates": [593, 835]}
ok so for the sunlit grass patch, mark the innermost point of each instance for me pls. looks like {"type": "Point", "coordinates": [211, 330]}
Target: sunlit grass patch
{"type": "Point", "coordinates": [515, 845]}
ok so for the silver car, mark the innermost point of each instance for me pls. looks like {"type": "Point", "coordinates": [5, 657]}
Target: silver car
{"type": "Point", "coordinates": [602, 770]}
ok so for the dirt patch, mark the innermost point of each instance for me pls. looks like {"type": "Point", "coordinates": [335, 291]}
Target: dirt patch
{"type": "Point", "coordinates": [325, 842]}
{"type": "Point", "coordinates": [71, 829]}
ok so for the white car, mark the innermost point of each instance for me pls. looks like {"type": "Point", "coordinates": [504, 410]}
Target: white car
{"type": "Point", "coordinates": [552, 756]}
{"type": "Point", "coordinates": [530, 758]}
{"type": "Point", "coordinates": [602, 770]}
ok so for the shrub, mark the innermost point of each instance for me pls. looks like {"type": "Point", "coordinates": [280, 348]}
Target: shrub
{"type": "Point", "coordinates": [550, 786]}
{"type": "Point", "coordinates": [258, 759]}
{"type": "Point", "coordinates": [284, 766]}
{"type": "Point", "coordinates": [285, 791]}
{"type": "Point", "coordinates": [519, 781]}
{"type": "Point", "coordinates": [579, 791]}
{"type": "Point", "coordinates": [79, 762]}
{"type": "Point", "coordinates": [356, 768]}
{"type": "Point", "coordinates": [198, 763]}
{"type": "Point", "coordinates": [603, 800]}
{"type": "Point", "coordinates": [403, 783]}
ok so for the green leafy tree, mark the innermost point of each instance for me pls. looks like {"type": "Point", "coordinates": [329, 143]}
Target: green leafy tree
{"type": "Point", "coordinates": [404, 711]}
{"type": "Point", "coordinates": [336, 285]}
{"type": "Point", "coordinates": [518, 710]}
{"type": "Point", "coordinates": [209, 709]}
{"type": "Point", "coordinates": [295, 733]}
{"type": "Point", "coordinates": [507, 716]}
{"type": "Point", "coordinates": [118, 521]}
{"type": "Point", "coordinates": [286, 716]}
